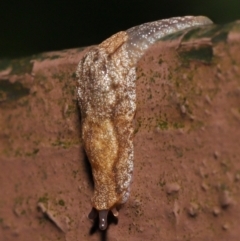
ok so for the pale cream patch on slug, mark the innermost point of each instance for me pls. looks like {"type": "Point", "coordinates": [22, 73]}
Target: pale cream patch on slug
{"type": "Point", "coordinates": [107, 97]}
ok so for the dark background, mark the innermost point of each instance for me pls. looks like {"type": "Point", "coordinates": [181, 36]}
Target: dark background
{"type": "Point", "coordinates": [29, 27]}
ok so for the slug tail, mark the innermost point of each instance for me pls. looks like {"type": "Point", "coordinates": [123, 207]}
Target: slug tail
{"type": "Point", "coordinates": [103, 214]}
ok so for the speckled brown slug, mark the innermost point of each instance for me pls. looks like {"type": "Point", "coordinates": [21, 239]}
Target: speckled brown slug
{"type": "Point", "coordinates": [107, 96]}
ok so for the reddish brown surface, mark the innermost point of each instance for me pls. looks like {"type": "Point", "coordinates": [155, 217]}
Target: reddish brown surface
{"type": "Point", "coordinates": [187, 169]}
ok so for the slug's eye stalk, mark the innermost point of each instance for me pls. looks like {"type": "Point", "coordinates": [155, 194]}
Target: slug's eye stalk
{"type": "Point", "coordinates": [103, 214]}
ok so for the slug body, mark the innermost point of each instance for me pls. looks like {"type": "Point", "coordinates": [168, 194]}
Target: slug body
{"type": "Point", "coordinates": [107, 97]}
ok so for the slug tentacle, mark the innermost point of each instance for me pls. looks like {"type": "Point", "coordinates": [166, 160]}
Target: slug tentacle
{"type": "Point", "coordinates": [107, 97]}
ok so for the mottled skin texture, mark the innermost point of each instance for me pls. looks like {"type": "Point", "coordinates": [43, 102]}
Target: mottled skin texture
{"type": "Point", "coordinates": [107, 97]}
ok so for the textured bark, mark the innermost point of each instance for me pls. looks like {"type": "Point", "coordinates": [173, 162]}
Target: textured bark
{"type": "Point", "coordinates": [187, 169]}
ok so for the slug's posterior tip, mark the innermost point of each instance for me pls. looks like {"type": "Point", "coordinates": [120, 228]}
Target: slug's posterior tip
{"type": "Point", "coordinates": [103, 214]}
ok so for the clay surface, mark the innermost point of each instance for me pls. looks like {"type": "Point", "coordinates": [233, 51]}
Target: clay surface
{"type": "Point", "coordinates": [186, 183]}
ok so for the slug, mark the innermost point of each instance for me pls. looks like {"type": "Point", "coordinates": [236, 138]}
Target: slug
{"type": "Point", "coordinates": [106, 92]}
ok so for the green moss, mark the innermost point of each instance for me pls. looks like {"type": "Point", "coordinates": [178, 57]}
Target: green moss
{"type": "Point", "coordinates": [22, 66]}
{"type": "Point", "coordinates": [191, 34]}
{"type": "Point", "coordinates": [161, 183]}
{"type": "Point", "coordinates": [75, 172]}
{"type": "Point", "coordinates": [203, 54]}
{"type": "Point", "coordinates": [18, 200]}
{"type": "Point", "coordinates": [65, 143]}
{"type": "Point", "coordinates": [44, 199]}
{"type": "Point", "coordinates": [138, 125]}
{"type": "Point", "coordinates": [61, 202]}
{"type": "Point", "coordinates": [74, 76]}
{"type": "Point", "coordinates": [12, 91]}
{"type": "Point", "coordinates": [197, 33]}
{"type": "Point", "coordinates": [81, 49]}
{"type": "Point", "coordinates": [70, 110]}
{"type": "Point", "coordinates": [178, 151]}
{"type": "Point", "coordinates": [60, 76]}
{"type": "Point", "coordinates": [197, 125]}
{"type": "Point", "coordinates": [178, 125]}
{"type": "Point", "coordinates": [152, 80]}
{"type": "Point", "coordinates": [224, 187]}
{"type": "Point", "coordinates": [54, 57]}
{"type": "Point", "coordinates": [163, 125]}
{"type": "Point", "coordinates": [33, 153]}
{"type": "Point", "coordinates": [160, 61]}
{"type": "Point", "coordinates": [226, 166]}
{"type": "Point", "coordinates": [150, 96]}
{"type": "Point", "coordinates": [220, 37]}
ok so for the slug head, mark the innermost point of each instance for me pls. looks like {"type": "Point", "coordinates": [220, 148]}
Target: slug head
{"type": "Point", "coordinates": [142, 36]}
